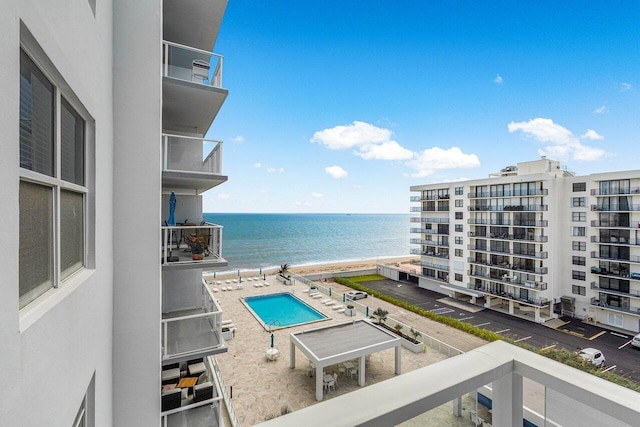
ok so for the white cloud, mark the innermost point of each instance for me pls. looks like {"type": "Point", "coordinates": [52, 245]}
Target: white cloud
{"type": "Point", "coordinates": [223, 196]}
{"type": "Point", "coordinates": [498, 79]}
{"type": "Point", "coordinates": [389, 150]}
{"type": "Point", "coordinates": [428, 161]}
{"type": "Point", "coordinates": [374, 143]}
{"type": "Point", "coordinates": [591, 134]}
{"type": "Point", "coordinates": [601, 110]}
{"type": "Point", "coordinates": [302, 204]}
{"type": "Point", "coordinates": [560, 143]}
{"type": "Point", "coordinates": [336, 171]}
{"type": "Point", "coordinates": [239, 139]}
{"type": "Point", "coordinates": [281, 170]}
{"type": "Point", "coordinates": [317, 195]}
{"type": "Point", "coordinates": [355, 134]}
{"type": "Point", "coordinates": [625, 87]}
{"type": "Point", "coordinates": [274, 170]}
{"type": "Point", "coordinates": [257, 165]}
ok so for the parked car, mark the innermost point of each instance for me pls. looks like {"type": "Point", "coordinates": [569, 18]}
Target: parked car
{"type": "Point", "coordinates": [635, 341]}
{"type": "Point", "coordinates": [635, 275]}
{"type": "Point", "coordinates": [354, 295]}
{"type": "Point", "coordinates": [593, 355]}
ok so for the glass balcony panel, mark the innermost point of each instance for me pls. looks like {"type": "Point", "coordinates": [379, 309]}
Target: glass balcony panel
{"type": "Point", "coordinates": [192, 65]}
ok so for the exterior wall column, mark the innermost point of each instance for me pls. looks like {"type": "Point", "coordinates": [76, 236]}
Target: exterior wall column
{"type": "Point", "coordinates": [361, 372]}
{"type": "Point", "coordinates": [487, 301]}
{"type": "Point", "coordinates": [457, 406]}
{"type": "Point", "coordinates": [507, 401]}
{"type": "Point", "coordinates": [292, 355]}
{"type": "Point", "coordinates": [398, 370]}
{"type": "Point", "coordinates": [511, 310]}
{"type": "Point", "coordinates": [319, 383]}
{"type": "Point", "coordinates": [538, 318]}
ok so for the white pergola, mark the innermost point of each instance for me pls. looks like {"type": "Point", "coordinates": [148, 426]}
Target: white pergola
{"type": "Point", "coordinates": [335, 344]}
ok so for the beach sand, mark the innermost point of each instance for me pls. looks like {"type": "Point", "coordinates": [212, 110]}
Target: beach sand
{"type": "Point", "coordinates": [330, 267]}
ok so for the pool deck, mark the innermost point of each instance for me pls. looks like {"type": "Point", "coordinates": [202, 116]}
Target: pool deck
{"type": "Point", "coordinates": [262, 387]}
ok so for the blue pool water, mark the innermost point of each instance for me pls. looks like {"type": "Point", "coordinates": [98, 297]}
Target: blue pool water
{"type": "Point", "coordinates": [281, 310]}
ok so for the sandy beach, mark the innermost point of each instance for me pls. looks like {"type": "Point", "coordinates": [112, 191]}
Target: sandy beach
{"type": "Point", "coordinates": [329, 267]}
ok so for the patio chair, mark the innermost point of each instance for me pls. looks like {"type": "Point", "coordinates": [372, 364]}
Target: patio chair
{"type": "Point", "coordinates": [353, 373]}
{"type": "Point", "coordinates": [202, 392]}
{"type": "Point", "coordinates": [171, 399]}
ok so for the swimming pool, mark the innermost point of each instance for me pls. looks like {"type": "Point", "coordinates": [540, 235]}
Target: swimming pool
{"type": "Point", "coordinates": [281, 310]}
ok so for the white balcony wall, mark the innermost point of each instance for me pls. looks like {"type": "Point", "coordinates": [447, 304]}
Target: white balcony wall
{"type": "Point", "coordinates": [188, 208]}
{"type": "Point", "coordinates": [51, 350]}
{"type": "Point", "coordinates": [181, 289]}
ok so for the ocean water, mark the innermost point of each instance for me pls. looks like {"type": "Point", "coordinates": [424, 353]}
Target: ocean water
{"type": "Point", "coordinates": [252, 241]}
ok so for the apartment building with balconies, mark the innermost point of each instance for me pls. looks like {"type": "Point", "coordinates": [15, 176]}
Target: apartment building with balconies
{"type": "Point", "coordinates": [535, 240]}
{"type": "Point", "coordinates": [106, 109]}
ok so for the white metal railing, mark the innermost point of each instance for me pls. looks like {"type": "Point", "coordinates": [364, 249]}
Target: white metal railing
{"type": "Point", "coordinates": [190, 154]}
{"type": "Point", "coordinates": [212, 312]}
{"type": "Point", "coordinates": [233, 418]}
{"type": "Point", "coordinates": [215, 402]}
{"type": "Point", "coordinates": [179, 246]}
{"type": "Point", "coordinates": [191, 64]}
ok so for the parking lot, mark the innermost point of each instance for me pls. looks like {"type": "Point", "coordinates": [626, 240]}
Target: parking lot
{"type": "Point", "coordinates": [571, 334]}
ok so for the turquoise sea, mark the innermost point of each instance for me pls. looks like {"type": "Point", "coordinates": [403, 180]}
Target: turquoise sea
{"type": "Point", "coordinates": [251, 241]}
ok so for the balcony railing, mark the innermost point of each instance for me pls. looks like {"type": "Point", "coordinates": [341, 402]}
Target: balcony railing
{"type": "Point", "coordinates": [614, 192]}
{"type": "Point", "coordinates": [538, 255]}
{"type": "Point", "coordinates": [442, 267]}
{"type": "Point", "coordinates": [630, 258]}
{"type": "Point", "coordinates": [429, 242]}
{"type": "Point", "coordinates": [601, 304]}
{"type": "Point", "coordinates": [537, 302]}
{"type": "Point", "coordinates": [632, 293]}
{"type": "Point", "coordinates": [431, 220]}
{"type": "Point", "coordinates": [191, 64]}
{"type": "Point", "coordinates": [511, 281]}
{"type": "Point", "coordinates": [198, 409]}
{"type": "Point", "coordinates": [428, 231]}
{"type": "Point", "coordinates": [615, 224]}
{"type": "Point", "coordinates": [184, 333]}
{"type": "Point", "coordinates": [615, 241]}
{"type": "Point", "coordinates": [191, 155]}
{"type": "Point", "coordinates": [509, 208]}
{"type": "Point", "coordinates": [508, 193]}
{"type": "Point", "coordinates": [432, 254]}
{"type": "Point", "coordinates": [507, 222]}
{"type": "Point", "coordinates": [617, 208]}
{"type": "Point", "coordinates": [538, 239]}
{"type": "Point", "coordinates": [513, 267]}
{"type": "Point", "coordinates": [177, 241]}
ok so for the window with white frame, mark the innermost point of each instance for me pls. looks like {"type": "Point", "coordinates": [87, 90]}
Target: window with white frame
{"type": "Point", "coordinates": [577, 275]}
{"type": "Point", "coordinates": [579, 246]}
{"type": "Point", "coordinates": [578, 202]}
{"type": "Point", "coordinates": [579, 216]}
{"type": "Point", "coordinates": [53, 187]}
{"type": "Point", "coordinates": [459, 227]}
{"type": "Point", "coordinates": [458, 203]}
{"type": "Point", "coordinates": [459, 191]}
{"type": "Point", "coordinates": [578, 290]}
{"type": "Point", "coordinates": [578, 231]}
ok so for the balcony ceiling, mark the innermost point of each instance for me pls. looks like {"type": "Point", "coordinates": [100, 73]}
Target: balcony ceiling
{"type": "Point", "coordinates": [193, 23]}
{"type": "Point", "coordinates": [189, 107]}
{"type": "Point", "coordinates": [188, 182]}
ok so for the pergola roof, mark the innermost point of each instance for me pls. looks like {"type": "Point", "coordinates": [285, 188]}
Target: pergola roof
{"type": "Point", "coordinates": [337, 343]}
{"type": "Point", "coordinates": [334, 344]}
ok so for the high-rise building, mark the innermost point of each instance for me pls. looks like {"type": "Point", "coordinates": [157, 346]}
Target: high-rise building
{"type": "Point", "coordinates": [105, 113]}
{"type": "Point", "coordinates": [535, 241]}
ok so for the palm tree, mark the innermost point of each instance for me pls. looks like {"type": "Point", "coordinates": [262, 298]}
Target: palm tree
{"type": "Point", "coordinates": [381, 314]}
{"type": "Point", "coordinates": [284, 271]}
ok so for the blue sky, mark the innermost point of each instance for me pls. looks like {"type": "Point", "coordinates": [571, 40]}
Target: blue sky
{"type": "Point", "coordinates": [341, 106]}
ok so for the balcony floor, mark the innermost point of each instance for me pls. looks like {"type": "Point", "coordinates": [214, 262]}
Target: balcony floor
{"type": "Point", "coordinates": [193, 336]}
{"type": "Point", "coordinates": [203, 416]}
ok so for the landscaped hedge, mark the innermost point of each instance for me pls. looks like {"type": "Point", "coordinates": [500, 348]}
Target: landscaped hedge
{"type": "Point", "coordinates": [560, 355]}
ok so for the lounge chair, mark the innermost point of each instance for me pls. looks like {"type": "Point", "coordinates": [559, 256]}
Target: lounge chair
{"type": "Point", "coordinates": [341, 310]}
{"type": "Point", "coordinates": [266, 283]}
{"type": "Point", "coordinates": [239, 286]}
{"type": "Point", "coordinates": [316, 296]}
{"type": "Point", "coordinates": [214, 289]}
{"type": "Point", "coordinates": [227, 322]}
{"type": "Point", "coordinates": [324, 301]}
{"type": "Point", "coordinates": [337, 307]}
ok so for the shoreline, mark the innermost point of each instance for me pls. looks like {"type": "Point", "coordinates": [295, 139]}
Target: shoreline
{"type": "Point", "coordinates": [318, 267]}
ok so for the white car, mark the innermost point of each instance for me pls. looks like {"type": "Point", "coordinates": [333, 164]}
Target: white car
{"type": "Point", "coordinates": [593, 355]}
{"type": "Point", "coordinates": [635, 342]}
{"type": "Point", "coordinates": [354, 295]}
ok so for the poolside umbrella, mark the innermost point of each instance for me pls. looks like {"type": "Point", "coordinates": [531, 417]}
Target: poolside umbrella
{"type": "Point", "coordinates": [272, 340]}
{"type": "Point", "coordinates": [172, 210]}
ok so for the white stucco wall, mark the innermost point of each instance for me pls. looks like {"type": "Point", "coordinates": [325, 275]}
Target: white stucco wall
{"type": "Point", "coordinates": [50, 350]}
{"type": "Point", "coordinates": [137, 181]}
